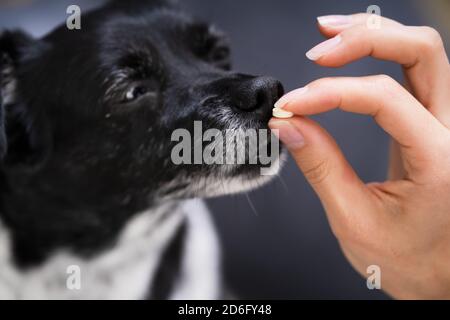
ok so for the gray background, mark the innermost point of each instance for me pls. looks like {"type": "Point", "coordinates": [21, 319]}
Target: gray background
{"type": "Point", "coordinates": [284, 250]}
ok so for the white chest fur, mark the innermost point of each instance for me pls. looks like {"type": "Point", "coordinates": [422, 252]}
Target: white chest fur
{"type": "Point", "coordinates": [126, 270]}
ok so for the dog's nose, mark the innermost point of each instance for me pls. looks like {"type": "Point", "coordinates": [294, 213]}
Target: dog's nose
{"type": "Point", "coordinates": [258, 94]}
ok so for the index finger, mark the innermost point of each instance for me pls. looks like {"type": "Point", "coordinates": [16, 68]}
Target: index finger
{"type": "Point", "coordinates": [381, 97]}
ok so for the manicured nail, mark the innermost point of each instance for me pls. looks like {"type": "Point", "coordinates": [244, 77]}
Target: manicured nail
{"type": "Point", "coordinates": [287, 133]}
{"type": "Point", "coordinates": [281, 114]}
{"type": "Point", "coordinates": [335, 21]}
{"type": "Point", "coordinates": [322, 49]}
{"type": "Point", "coordinates": [280, 104]}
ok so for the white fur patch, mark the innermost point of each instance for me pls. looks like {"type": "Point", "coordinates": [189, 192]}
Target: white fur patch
{"type": "Point", "coordinates": [200, 278]}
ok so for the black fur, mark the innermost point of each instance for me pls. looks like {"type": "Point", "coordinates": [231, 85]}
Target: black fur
{"type": "Point", "coordinates": [78, 160]}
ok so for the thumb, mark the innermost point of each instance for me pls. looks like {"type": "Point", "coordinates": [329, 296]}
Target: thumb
{"type": "Point", "coordinates": [323, 164]}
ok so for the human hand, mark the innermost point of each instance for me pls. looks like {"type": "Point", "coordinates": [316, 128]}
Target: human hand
{"type": "Point", "coordinates": [403, 224]}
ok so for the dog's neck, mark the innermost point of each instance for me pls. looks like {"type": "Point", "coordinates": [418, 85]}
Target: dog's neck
{"type": "Point", "coordinates": [41, 222]}
{"type": "Point", "coordinates": [126, 270]}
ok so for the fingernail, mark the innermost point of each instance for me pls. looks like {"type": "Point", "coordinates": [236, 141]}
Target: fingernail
{"type": "Point", "coordinates": [335, 21]}
{"type": "Point", "coordinates": [281, 114]}
{"type": "Point", "coordinates": [322, 49]}
{"type": "Point", "coordinates": [287, 133]}
{"type": "Point", "coordinates": [280, 104]}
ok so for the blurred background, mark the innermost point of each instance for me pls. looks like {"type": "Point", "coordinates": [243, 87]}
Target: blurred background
{"type": "Point", "coordinates": [277, 242]}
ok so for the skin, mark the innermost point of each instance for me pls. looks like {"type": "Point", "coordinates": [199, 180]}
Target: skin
{"type": "Point", "coordinates": [403, 223]}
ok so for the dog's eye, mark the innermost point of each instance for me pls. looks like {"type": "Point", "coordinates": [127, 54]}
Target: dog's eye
{"type": "Point", "coordinates": [135, 93]}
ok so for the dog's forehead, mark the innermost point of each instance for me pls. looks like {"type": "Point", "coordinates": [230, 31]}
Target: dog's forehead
{"type": "Point", "coordinates": [149, 25]}
{"type": "Point", "coordinates": [145, 33]}
{"type": "Point", "coordinates": [155, 34]}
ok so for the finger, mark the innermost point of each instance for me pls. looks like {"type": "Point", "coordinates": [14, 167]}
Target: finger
{"type": "Point", "coordinates": [394, 109]}
{"type": "Point", "coordinates": [400, 44]}
{"type": "Point", "coordinates": [420, 50]}
{"type": "Point", "coordinates": [318, 156]}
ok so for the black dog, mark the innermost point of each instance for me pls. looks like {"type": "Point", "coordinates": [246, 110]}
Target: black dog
{"type": "Point", "coordinates": [86, 175]}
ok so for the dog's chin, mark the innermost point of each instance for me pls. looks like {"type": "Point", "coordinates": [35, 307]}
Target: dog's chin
{"type": "Point", "coordinates": [221, 181]}
{"type": "Point", "coordinates": [244, 179]}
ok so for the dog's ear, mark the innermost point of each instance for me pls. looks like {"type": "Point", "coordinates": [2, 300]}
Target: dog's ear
{"type": "Point", "coordinates": [19, 140]}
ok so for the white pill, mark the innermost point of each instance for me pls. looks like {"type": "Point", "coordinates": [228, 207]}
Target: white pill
{"type": "Point", "coordinates": [282, 114]}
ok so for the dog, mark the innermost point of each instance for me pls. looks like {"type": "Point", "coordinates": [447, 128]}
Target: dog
{"type": "Point", "coordinates": [87, 181]}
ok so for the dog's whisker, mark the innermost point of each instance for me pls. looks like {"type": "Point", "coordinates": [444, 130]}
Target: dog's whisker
{"type": "Point", "coordinates": [252, 206]}
{"type": "Point", "coordinates": [283, 183]}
